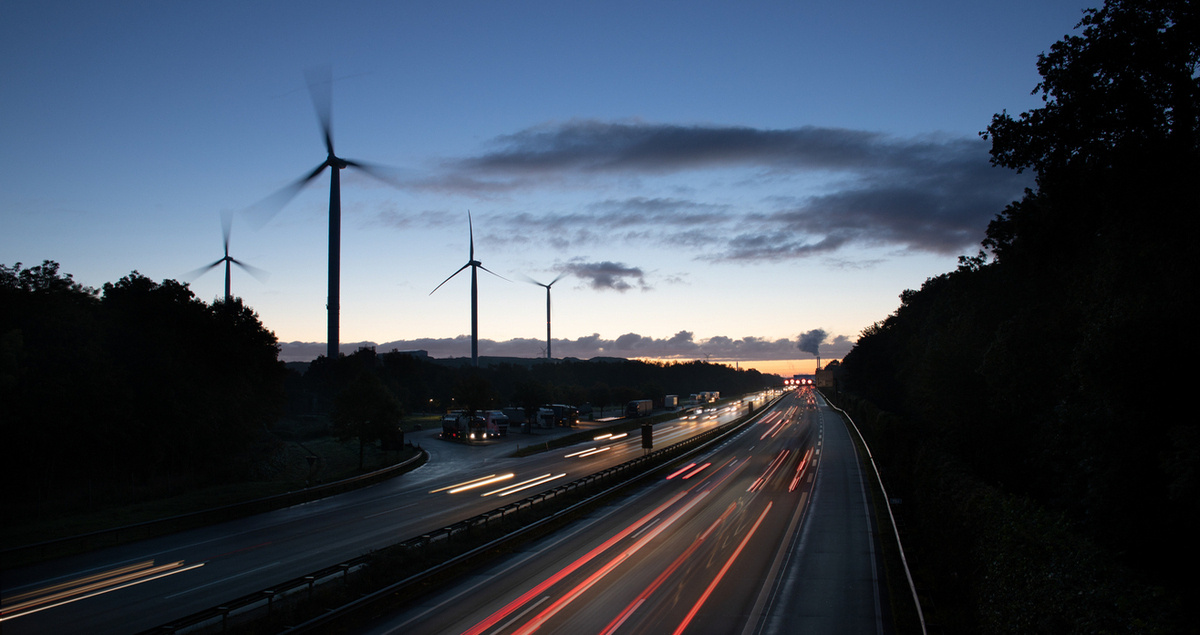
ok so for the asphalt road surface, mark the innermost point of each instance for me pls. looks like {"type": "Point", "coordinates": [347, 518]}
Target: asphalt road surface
{"type": "Point", "coordinates": [142, 585]}
{"type": "Point", "coordinates": [768, 533]}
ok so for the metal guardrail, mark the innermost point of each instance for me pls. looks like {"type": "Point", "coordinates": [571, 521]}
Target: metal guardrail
{"type": "Point", "coordinates": [622, 474]}
{"type": "Point", "coordinates": [895, 529]}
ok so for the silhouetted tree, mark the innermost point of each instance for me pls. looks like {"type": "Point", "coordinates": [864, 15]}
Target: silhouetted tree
{"type": "Point", "coordinates": [473, 392]}
{"type": "Point", "coordinates": [1021, 362]}
{"type": "Point", "coordinates": [366, 410]}
{"type": "Point", "coordinates": [140, 386]}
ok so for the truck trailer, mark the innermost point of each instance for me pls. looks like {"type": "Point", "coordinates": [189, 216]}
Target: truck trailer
{"type": "Point", "coordinates": [457, 426]}
{"type": "Point", "coordinates": [639, 408]}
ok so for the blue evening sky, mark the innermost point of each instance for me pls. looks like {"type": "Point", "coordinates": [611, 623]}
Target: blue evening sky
{"type": "Point", "coordinates": [716, 177]}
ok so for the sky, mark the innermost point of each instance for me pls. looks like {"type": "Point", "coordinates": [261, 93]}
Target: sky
{"type": "Point", "coordinates": [715, 179]}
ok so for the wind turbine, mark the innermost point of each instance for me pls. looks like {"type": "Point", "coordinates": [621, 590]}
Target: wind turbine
{"type": "Point", "coordinates": [226, 225]}
{"type": "Point", "coordinates": [319, 90]}
{"type": "Point", "coordinates": [547, 286]}
{"type": "Point", "coordinates": [474, 265]}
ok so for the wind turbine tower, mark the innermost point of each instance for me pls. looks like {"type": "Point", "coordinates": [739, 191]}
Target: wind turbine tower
{"type": "Point", "coordinates": [475, 265]}
{"type": "Point", "coordinates": [547, 287]}
{"type": "Point", "coordinates": [319, 90]}
{"type": "Point", "coordinates": [226, 226]}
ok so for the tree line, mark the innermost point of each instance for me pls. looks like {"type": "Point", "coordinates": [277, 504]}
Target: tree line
{"type": "Point", "coordinates": [1024, 404]}
{"type": "Point", "coordinates": [135, 389]}
{"type": "Point", "coordinates": [139, 389]}
{"type": "Point", "coordinates": [424, 385]}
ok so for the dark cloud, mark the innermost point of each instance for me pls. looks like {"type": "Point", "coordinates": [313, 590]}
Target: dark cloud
{"type": "Point", "coordinates": [941, 209]}
{"type": "Point", "coordinates": [682, 346]}
{"type": "Point", "coordinates": [930, 194]}
{"type": "Point", "coordinates": [597, 146]}
{"type": "Point", "coordinates": [655, 212]}
{"type": "Point", "coordinates": [608, 275]}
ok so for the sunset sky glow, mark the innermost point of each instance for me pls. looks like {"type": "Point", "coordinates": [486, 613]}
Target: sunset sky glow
{"type": "Point", "coordinates": [715, 179]}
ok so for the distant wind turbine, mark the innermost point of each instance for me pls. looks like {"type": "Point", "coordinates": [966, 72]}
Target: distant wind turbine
{"type": "Point", "coordinates": [226, 225]}
{"type": "Point", "coordinates": [319, 89]}
{"type": "Point", "coordinates": [474, 265]}
{"type": "Point", "coordinates": [547, 286]}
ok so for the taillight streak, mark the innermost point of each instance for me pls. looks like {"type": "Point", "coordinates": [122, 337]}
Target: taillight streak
{"type": "Point", "coordinates": [800, 471]}
{"type": "Point", "coordinates": [762, 480]}
{"type": "Point", "coordinates": [564, 572]}
{"type": "Point", "coordinates": [728, 563]}
{"type": "Point", "coordinates": [680, 471]}
{"type": "Point", "coordinates": [662, 577]}
{"type": "Point", "coordinates": [582, 587]}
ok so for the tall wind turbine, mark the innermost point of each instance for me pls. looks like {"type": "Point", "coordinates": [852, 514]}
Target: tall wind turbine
{"type": "Point", "coordinates": [319, 90]}
{"type": "Point", "coordinates": [474, 265]}
{"type": "Point", "coordinates": [226, 225]}
{"type": "Point", "coordinates": [547, 286]}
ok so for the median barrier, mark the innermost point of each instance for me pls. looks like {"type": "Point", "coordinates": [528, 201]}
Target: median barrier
{"type": "Point", "coordinates": [592, 488]}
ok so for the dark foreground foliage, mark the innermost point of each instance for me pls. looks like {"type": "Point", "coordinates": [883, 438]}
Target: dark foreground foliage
{"type": "Point", "coordinates": [136, 390]}
{"type": "Point", "coordinates": [140, 391]}
{"type": "Point", "coordinates": [1034, 381]}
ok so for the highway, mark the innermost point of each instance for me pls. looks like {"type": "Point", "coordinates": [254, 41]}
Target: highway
{"type": "Point", "coordinates": [142, 585]}
{"type": "Point", "coordinates": [768, 533]}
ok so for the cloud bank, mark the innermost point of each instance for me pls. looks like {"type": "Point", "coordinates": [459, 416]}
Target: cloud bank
{"type": "Point", "coordinates": [682, 346]}
{"type": "Point", "coordinates": [931, 194]}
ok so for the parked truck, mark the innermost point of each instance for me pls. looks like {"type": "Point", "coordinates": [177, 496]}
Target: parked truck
{"type": "Point", "coordinates": [639, 408]}
{"type": "Point", "coordinates": [558, 415]}
{"type": "Point", "coordinates": [497, 423]}
{"type": "Point", "coordinates": [671, 401]}
{"type": "Point", "coordinates": [457, 426]}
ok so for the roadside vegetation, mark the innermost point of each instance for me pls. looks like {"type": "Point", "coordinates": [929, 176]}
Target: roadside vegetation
{"type": "Point", "coordinates": [1019, 405]}
{"type": "Point", "coordinates": [139, 401]}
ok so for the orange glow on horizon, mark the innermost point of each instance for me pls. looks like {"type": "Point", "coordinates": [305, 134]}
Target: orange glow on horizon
{"type": "Point", "coordinates": [781, 367]}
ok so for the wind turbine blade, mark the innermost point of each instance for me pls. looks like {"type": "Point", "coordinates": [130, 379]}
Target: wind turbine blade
{"type": "Point", "coordinates": [226, 227]}
{"type": "Point", "coordinates": [263, 211]}
{"type": "Point", "coordinates": [388, 175]}
{"type": "Point", "coordinates": [494, 273]}
{"type": "Point", "coordinates": [448, 279]}
{"type": "Point", "coordinates": [560, 277]}
{"type": "Point", "coordinates": [530, 280]}
{"type": "Point", "coordinates": [471, 229]}
{"type": "Point", "coordinates": [258, 274]}
{"type": "Point", "coordinates": [320, 88]}
{"type": "Point", "coordinates": [196, 273]}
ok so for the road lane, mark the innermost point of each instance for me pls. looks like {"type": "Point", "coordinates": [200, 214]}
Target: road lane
{"type": "Point", "coordinates": [829, 581]}
{"type": "Point", "coordinates": [738, 546]}
{"type": "Point", "coordinates": [226, 561]}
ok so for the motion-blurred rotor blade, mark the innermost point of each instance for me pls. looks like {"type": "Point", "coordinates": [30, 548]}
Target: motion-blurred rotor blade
{"type": "Point", "coordinates": [196, 273]}
{"type": "Point", "coordinates": [494, 273]}
{"type": "Point", "coordinates": [263, 211]}
{"type": "Point", "coordinates": [451, 276]}
{"type": "Point", "coordinates": [226, 227]}
{"type": "Point", "coordinates": [544, 285]}
{"type": "Point", "coordinates": [529, 280]}
{"type": "Point", "coordinates": [258, 274]}
{"type": "Point", "coordinates": [320, 88]}
{"type": "Point", "coordinates": [388, 175]}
